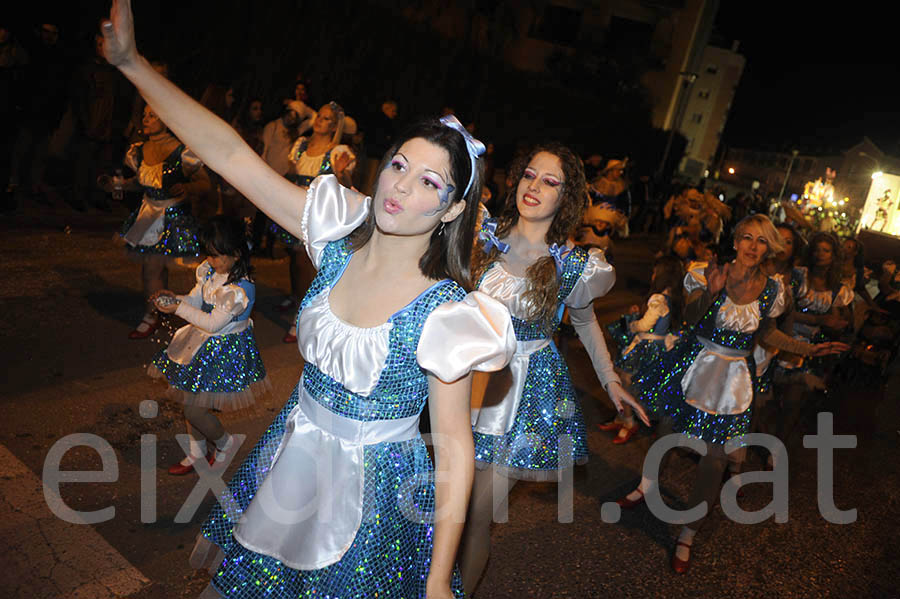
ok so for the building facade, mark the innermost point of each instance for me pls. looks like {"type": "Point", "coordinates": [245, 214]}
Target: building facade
{"type": "Point", "coordinates": [707, 108]}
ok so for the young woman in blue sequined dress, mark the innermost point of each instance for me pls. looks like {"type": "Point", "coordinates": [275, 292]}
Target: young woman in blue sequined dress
{"type": "Point", "coordinates": [213, 362]}
{"type": "Point", "coordinates": [162, 228]}
{"type": "Point", "coordinates": [532, 427]}
{"type": "Point", "coordinates": [338, 498]}
{"type": "Point", "coordinates": [705, 386]}
{"type": "Point", "coordinates": [318, 154]}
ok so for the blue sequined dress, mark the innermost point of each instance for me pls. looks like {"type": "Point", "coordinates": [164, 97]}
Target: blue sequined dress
{"type": "Point", "coordinates": [353, 419]}
{"type": "Point", "coordinates": [810, 301]}
{"type": "Point", "coordinates": [214, 361]}
{"type": "Point", "coordinates": [307, 168]}
{"type": "Point", "coordinates": [533, 426]}
{"type": "Point", "coordinates": [162, 225]}
{"type": "Point", "coordinates": [706, 384]}
{"type": "Point", "coordinates": [643, 343]}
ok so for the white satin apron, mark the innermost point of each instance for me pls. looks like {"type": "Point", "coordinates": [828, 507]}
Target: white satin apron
{"type": "Point", "coordinates": [309, 507]}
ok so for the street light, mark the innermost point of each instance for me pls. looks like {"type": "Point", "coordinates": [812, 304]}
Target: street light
{"type": "Point", "coordinates": [787, 174]}
{"type": "Point", "coordinates": [731, 170]}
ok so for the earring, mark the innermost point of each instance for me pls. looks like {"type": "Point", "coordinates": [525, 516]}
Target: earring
{"type": "Point", "coordinates": [441, 228]}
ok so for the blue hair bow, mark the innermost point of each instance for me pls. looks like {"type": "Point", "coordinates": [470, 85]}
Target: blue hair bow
{"type": "Point", "coordinates": [559, 254]}
{"type": "Point", "coordinates": [474, 147]}
{"type": "Point", "coordinates": [488, 235]}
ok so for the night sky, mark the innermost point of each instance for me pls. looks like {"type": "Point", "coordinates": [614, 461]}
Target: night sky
{"type": "Point", "coordinates": [814, 79]}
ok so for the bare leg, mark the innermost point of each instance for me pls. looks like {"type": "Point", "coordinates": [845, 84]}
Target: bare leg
{"type": "Point", "coordinates": [488, 490]}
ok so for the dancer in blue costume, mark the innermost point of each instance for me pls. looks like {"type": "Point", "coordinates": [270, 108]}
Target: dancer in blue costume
{"type": "Point", "coordinates": [337, 498]}
{"type": "Point", "coordinates": [213, 363]}
{"type": "Point", "coordinates": [162, 228]}
{"type": "Point", "coordinates": [705, 386]}
{"type": "Point", "coordinates": [319, 154]}
{"type": "Point", "coordinates": [533, 429]}
{"type": "Point", "coordinates": [644, 339]}
{"type": "Point", "coordinates": [821, 297]}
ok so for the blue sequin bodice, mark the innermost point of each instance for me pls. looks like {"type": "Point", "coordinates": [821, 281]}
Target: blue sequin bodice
{"type": "Point", "coordinates": [707, 328]}
{"type": "Point", "coordinates": [172, 173]}
{"type": "Point", "coordinates": [572, 267]}
{"type": "Point", "coordinates": [402, 386]}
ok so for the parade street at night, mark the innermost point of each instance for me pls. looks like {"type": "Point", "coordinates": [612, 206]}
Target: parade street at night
{"type": "Point", "coordinates": [69, 296]}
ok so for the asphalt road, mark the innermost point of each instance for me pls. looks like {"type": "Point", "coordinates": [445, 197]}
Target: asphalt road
{"type": "Point", "coordinates": [68, 297]}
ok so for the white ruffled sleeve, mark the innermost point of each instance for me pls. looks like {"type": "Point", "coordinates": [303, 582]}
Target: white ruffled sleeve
{"type": "Point", "coordinates": [473, 334]}
{"type": "Point", "coordinates": [657, 307]}
{"type": "Point", "coordinates": [782, 299]}
{"type": "Point", "coordinates": [229, 301]}
{"type": "Point", "coordinates": [331, 212]}
{"type": "Point", "coordinates": [596, 280]}
{"type": "Point", "coordinates": [696, 276]}
{"type": "Point", "coordinates": [131, 156]}
{"type": "Point", "coordinates": [195, 297]}
{"type": "Point", "coordinates": [799, 274]}
{"type": "Point", "coordinates": [190, 162]}
{"type": "Point", "coordinates": [294, 153]}
{"type": "Point", "coordinates": [844, 297]}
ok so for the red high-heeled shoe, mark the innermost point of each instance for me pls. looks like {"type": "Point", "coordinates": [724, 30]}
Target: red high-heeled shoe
{"type": "Point", "coordinates": [680, 566]}
{"type": "Point", "coordinates": [627, 504]}
{"type": "Point", "coordinates": [180, 469]}
{"type": "Point", "coordinates": [612, 425]}
{"type": "Point", "coordinates": [629, 433]}
{"type": "Point", "coordinates": [151, 328]}
{"type": "Point", "coordinates": [288, 338]}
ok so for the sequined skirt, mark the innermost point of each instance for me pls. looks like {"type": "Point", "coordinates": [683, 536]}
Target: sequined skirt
{"type": "Point", "coordinates": [390, 555]}
{"type": "Point", "coordinates": [548, 432]}
{"type": "Point", "coordinates": [179, 237]}
{"type": "Point", "coordinates": [226, 373]}
{"type": "Point", "coordinates": [663, 395]}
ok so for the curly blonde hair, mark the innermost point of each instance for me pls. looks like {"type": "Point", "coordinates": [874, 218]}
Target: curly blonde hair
{"type": "Point", "coordinates": [543, 283]}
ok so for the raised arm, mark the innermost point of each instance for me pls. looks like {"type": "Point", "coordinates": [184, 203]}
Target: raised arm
{"type": "Point", "coordinates": [454, 452]}
{"type": "Point", "coordinates": [212, 139]}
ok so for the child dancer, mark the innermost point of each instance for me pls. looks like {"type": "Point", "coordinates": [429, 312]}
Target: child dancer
{"type": "Point", "coordinates": [643, 341]}
{"type": "Point", "coordinates": [213, 363]}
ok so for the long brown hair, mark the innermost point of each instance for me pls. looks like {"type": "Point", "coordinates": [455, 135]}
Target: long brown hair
{"type": "Point", "coordinates": [543, 284]}
{"type": "Point", "coordinates": [833, 275]}
{"type": "Point", "coordinates": [450, 247]}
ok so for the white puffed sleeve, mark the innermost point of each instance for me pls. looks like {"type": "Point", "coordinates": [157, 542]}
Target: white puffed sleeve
{"type": "Point", "coordinates": [344, 149]}
{"type": "Point", "coordinates": [657, 307]}
{"type": "Point", "coordinates": [781, 298]}
{"type": "Point", "coordinates": [228, 302]}
{"type": "Point", "coordinates": [195, 297]}
{"type": "Point", "coordinates": [844, 297]}
{"type": "Point", "coordinates": [473, 334]}
{"type": "Point", "coordinates": [294, 154]}
{"type": "Point", "coordinates": [190, 162]}
{"type": "Point", "coordinates": [799, 274]}
{"type": "Point", "coordinates": [596, 280]}
{"type": "Point", "coordinates": [131, 156]}
{"type": "Point", "coordinates": [696, 276]}
{"type": "Point", "coordinates": [331, 212]}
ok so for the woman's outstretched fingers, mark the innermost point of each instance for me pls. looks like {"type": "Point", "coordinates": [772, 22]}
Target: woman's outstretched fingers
{"type": "Point", "coordinates": [118, 34]}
